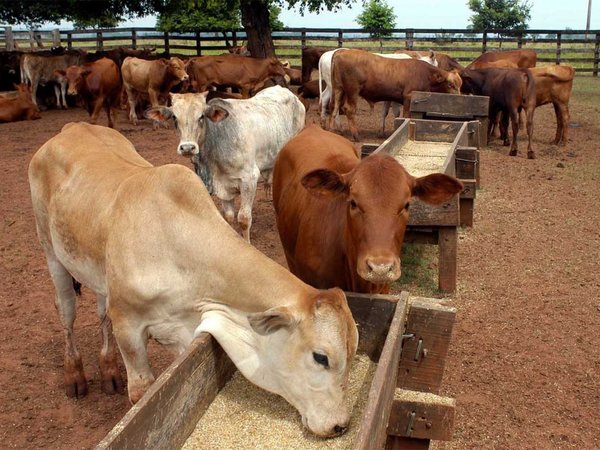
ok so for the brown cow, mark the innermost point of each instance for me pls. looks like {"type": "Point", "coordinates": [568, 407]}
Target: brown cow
{"type": "Point", "coordinates": [294, 76]}
{"type": "Point", "coordinates": [444, 61]}
{"type": "Point", "coordinates": [510, 91]}
{"type": "Point", "coordinates": [307, 91]}
{"type": "Point", "coordinates": [376, 79]}
{"type": "Point", "coordinates": [553, 84]}
{"type": "Point", "coordinates": [156, 78]}
{"type": "Point", "coordinates": [241, 50]}
{"type": "Point", "coordinates": [310, 61]}
{"type": "Point", "coordinates": [98, 84]}
{"type": "Point", "coordinates": [523, 58]}
{"type": "Point", "coordinates": [244, 73]}
{"type": "Point", "coordinates": [19, 107]}
{"type": "Point", "coordinates": [341, 220]}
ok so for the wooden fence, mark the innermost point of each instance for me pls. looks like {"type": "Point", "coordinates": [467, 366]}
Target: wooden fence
{"type": "Point", "coordinates": [574, 47]}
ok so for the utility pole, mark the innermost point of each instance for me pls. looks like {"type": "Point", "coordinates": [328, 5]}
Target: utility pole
{"type": "Point", "coordinates": [589, 15]}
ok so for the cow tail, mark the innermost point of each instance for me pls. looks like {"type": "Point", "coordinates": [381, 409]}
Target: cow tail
{"type": "Point", "coordinates": [529, 89]}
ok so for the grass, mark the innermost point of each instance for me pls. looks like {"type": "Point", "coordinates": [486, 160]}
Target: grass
{"type": "Point", "coordinates": [419, 270]}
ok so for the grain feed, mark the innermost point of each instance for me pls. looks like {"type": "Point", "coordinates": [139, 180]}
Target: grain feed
{"type": "Point", "coordinates": [421, 158]}
{"type": "Point", "coordinates": [243, 416]}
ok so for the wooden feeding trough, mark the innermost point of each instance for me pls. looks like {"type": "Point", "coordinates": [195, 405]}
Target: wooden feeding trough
{"type": "Point", "coordinates": [428, 146]}
{"type": "Point", "coordinates": [407, 337]}
{"type": "Point", "coordinates": [436, 106]}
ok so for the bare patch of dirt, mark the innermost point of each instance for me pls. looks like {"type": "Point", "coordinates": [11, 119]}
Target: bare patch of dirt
{"type": "Point", "coordinates": [524, 364]}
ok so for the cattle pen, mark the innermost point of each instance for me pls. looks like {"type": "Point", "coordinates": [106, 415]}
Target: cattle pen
{"type": "Point", "coordinates": [578, 48]}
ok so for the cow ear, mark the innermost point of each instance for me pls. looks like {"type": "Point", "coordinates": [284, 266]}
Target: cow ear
{"type": "Point", "coordinates": [271, 320]}
{"type": "Point", "coordinates": [60, 72]}
{"type": "Point", "coordinates": [158, 114]}
{"type": "Point", "coordinates": [324, 182]}
{"type": "Point", "coordinates": [436, 188]}
{"type": "Point", "coordinates": [216, 113]}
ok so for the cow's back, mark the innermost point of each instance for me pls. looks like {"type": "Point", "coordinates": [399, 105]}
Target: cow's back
{"type": "Point", "coordinates": [553, 83]}
{"type": "Point", "coordinates": [140, 73]}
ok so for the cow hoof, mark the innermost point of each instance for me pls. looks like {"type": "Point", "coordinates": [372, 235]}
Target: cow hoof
{"type": "Point", "coordinates": [513, 153]}
{"type": "Point", "coordinates": [530, 155]}
{"type": "Point", "coordinates": [506, 143]}
{"type": "Point", "coordinates": [113, 385]}
{"type": "Point", "coordinates": [77, 388]}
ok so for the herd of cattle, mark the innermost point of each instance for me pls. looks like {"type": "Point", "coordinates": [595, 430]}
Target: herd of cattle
{"type": "Point", "coordinates": [163, 262]}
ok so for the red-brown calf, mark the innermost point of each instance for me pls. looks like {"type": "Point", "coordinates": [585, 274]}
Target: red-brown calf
{"type": "Point", "coordinates": [20, 107]}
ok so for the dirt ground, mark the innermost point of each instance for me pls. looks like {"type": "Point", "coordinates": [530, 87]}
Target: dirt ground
{"type": "Point", "coordinates": [524, 364]}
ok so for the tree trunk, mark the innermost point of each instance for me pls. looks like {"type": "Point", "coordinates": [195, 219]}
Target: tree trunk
{"type": "Point", "coordinates": [255, 19]}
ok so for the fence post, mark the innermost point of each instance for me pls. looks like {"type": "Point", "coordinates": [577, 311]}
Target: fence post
{"type": "Point", "coordinates": [520, 40]}
{"type": "Point", "coordinates": [596, 55]}
{"type": "Point", "coordinates": [484, 42]}
{"type": "Point", "coordinates": [134, 39]}
{"type": "Point", "coordinates": [558, 41]}
{"type": "Point", "coordinates": [234, 38]}
{"type": "Point", "coordinates": [56, 37]}
{"type": "Point", "coordinates": [9, 38]}
{"type": "Point", "coordinates": [31, 38]}
{"type": "Point", "coordinates": [409, 39]}
{"type": "Point", "coordinates": [69, 40]}
{"type": "Point", "coordinates": [167, 46]}
{"type": "Point", "coordinates": [99, 41]}
{"type": "Point", "coordinates": [340, 38]}
{"type": "Point", "coordinates": [303, 37]}
{"type": "Point", "coordinates": [198, 48]}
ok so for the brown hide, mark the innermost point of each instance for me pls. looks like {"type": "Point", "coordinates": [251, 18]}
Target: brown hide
{"type": "Point", "coordinates": [510, 90]}
{"type": "Point", "coordinates": [445, 61]}
{"type": "Point", "coordinates": [553, 84]}
{"type": "Point", "coordinates": [522, 58]}
{"type": "Point", "coordinates": [358, 73]}
{"type": "Point", "coordinates": [19, 107]}
{"type": "Point", "coordinates": [247, 74]}
{"type": "Point", "coordinates": [98, 84]}
{"type": "Point", "coordinates": [310, 60]}
{"type": "Point", "coordinates": [341, 220]}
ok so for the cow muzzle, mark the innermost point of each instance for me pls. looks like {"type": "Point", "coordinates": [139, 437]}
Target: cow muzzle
{"type": "Point", "coordinates": [380, 270]}
{"type": "Point", "coordinates": [188, 148]}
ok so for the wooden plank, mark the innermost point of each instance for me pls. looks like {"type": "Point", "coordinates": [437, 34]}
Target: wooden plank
{"type": "Point", "coordinates": [424, 215]}
{"type": "Point", "coordinates": [373, 314]}
{"type": "Point", "coordinates": [372, 432]}
{"type": "Point", "coordinates": [396, 140]}
{"type": "Point", "coordinates": [436, 130]}
{"type": "Point", "coordinates": [454, 105]}
{"type": "Point", "coordinates": [448, 241]}
{"type": "Point", "coordinates": [421, 415]}
{"type": "Point", "coordinates": [431, 323]}
{"type": "Point", "coordinates": [467, 160]}
{"type": "Point", "coordinates": [168, 412]}
{"type": "Point", "coordinates": [467, 207]}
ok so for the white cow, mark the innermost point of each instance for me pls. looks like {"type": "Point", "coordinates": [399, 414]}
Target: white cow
{"type": "Point", "coordinates": [430, 59]}
{"type": "Point", "coordinates": [165, 265]}
{"type": "Point", "coordinates": [41, 69]}
{"type": "Point", "coordinates": [237, 144]}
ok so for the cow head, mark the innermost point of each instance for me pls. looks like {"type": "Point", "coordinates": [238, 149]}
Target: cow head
{"type": "Point", "coordinates": [448, 82]}
{"type": "Point", "coordinates": [190, 112]}
{"type": "Point", "coordinates": [276, 68]}
{"type": "Point", "coordinates": [176, 68]}
{"type": "Point", "coordinates": [377, 194]}
{"type": "Point", "coordinates": [74, 76]}
{"type": "Point", "coordinates": [303, 353]}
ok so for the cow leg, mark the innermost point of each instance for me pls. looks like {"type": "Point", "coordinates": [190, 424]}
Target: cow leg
{"type": "Point", "coordinates": [247, 192]}
{"type": "Point", "coordinates": [108, 110]}
{"type": "Point", "coordinates": [504, 122]}
{"type": "Point", "coordinates": [228, 210]}
{"type": "Point", "coordinates": [132, 97]}
{"type": "Point", "coordinates": [34, 86]}
{"type": "Point", "coordinates": [350, 108]}
{"type": "Point", "coordinates": [96, 109]}
{"type": "Point", "coordinates": [63, 93]}
{"type": "Point", "coordinates": [562, 123]}
{"type": "Point", "coordinates": [514, 120]}
{"type": "Point", "coordinates": [406, 107]}
{"type": "Point", "coordinates": [110, 375]}
{"type": "Point", "coordinates": [132, 343]}
{"type": "Point", "coordinates": [57, 94]}
{"type": "Point", "coordinates": [529, 114]}
{"type": "Point", "coordinates": [75, 381]}
{"type": "Point", "coordinates": [385, 109]}
{"type": "Point", "coordinates": [324, 105]}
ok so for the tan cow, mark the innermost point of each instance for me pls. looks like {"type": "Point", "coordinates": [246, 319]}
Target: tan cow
{"type": "Point", "coordinates": [156, 78]}
{"type": "Point", "coordinates": [165, 265]}
{"type": "Point", "coordinates": [553, 84]}
{"type": "Point", "coordinates": [18, 106]}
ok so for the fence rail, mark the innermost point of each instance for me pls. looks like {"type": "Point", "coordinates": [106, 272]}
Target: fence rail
{"type": "Point", "coordinates": [575, 47]}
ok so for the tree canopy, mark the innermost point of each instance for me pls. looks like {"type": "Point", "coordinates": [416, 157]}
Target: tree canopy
{"type": "Point", "coordinates": [377, 15]}
{"type": "Point", "coordinates": [499, 14]}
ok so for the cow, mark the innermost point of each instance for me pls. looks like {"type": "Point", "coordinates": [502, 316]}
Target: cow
{"type": "Point", "coordinates": [510, 91]}
{"type": "Point", "coordinates": [98, 84]}
{"type": "Point", "coordinates": [310, 61]}
{"type": "Point", "coordinates": [241, 50]}
{"type": "Point", "coordinates": [444, 61]}
{"type": "Point", "coordinates": [234, 142]}
{"type": "Point", "coordinates": [119, 54]}
{"type": "Point", "coordinates": [244, 73]}
{"type": "Point", "coordinates": [19, 106]}
{"type": "Point", "coordinates": [9, 69]}
{"type": "Point", "coordinates": [41, 69]}
{"type": "Point", "coordinates": [553, 84]}
{"type": "Point", "coordinates": [428, 58]}
{"type": "Point", "coordinates": [325, 63]}
{"type": "Point", "coordinates": [307, 91]}
{"type": "Point", "coordinates": [293, 76]}
{"type": "Point", "coordinates": [374, 78]}
{"type": "Point", "coordinates": [523, 58]}
{"type": "Point", "coordinates": [341, 220]}
{"type": "Point", "coordinates": [165, 265]}
{"type": "Point", "coordinates": [156, 78]}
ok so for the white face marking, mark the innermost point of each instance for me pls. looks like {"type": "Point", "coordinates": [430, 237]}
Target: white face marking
{"type": "Point", "coordinates": [189, 110]}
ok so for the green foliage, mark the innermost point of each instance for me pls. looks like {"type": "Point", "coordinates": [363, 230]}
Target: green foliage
{"type": "Point", "coordinates": [377, 15]}
{"type": "Point", "coordinates": [499, 14]}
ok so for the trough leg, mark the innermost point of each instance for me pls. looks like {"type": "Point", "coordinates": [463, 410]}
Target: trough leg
{"type": "Point", "coordinates": [75, 381]}
{"type": "Point", "coordinates": [110, 375]}
{"type": "Point", "coordinates": [447, 241]}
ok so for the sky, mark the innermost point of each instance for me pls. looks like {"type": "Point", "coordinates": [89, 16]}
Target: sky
{"type": "Point", "coordinates": [545, 14]}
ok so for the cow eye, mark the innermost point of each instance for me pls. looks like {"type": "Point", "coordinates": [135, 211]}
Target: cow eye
{"type": "Point", "coordinates": [201, 118]}
{"type": "Point", "coordinates": [407, 206]}
{"type": "Point", "coordinates": [353, 204]}
{"type": "Point", "coordinates": [321, 359]}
